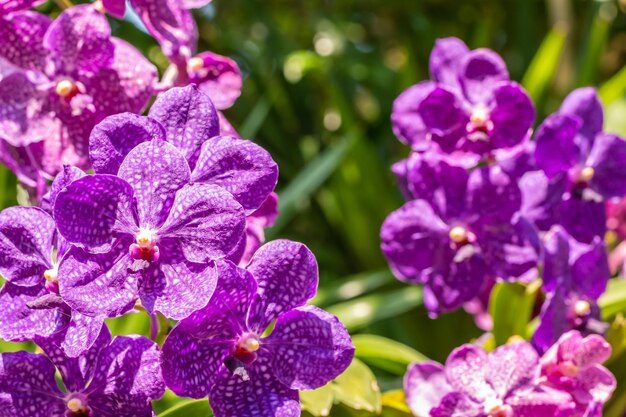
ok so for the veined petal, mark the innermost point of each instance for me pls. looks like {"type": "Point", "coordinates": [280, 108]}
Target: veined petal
{"type": "Point", "coordinates": [21, 37]}
{"type": "Point", "coordinates": [81, 334]}
{"type": "Point", "coordinates": [189, 118]}
{"type": "Point", "coordinates": [287, 276]}
{"type": "Point", "coordinates": [466, 371]}
{"type": "Point", "coordinates": [89, 211]}
{"type": "Point", "coordinates": [310, 348]}
{"type": "Point", "coordinates": [68, 175]}
{"type": "Point", "coordinates": [206, 220]}
{"type": "Point", "coordinates": [155, 170]}
{"type": "Point", "coordinates": [512, 367]}
{"type": "Point", "coordinates": [113, 138]}
{"type": "Point", "coordinates": [425, 385]}
{"type": "Point", "coordinates": [240, 166]}
{"type": "Point", "coordinates": [26, 238]}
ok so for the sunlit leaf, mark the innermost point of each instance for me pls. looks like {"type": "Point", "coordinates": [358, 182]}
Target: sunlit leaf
{"type": "Point", "coordinates": [385, 353]}
{"type": "Point", "coordinates": [511, 306]}
{"type": "Point", "coordinates": [613, 300]}
{"type": "Point", "coordinates": [189, 408]}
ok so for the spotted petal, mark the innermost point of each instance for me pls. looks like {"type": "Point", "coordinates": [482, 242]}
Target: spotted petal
{"type": "Point", "coordinates": [466, 369]}
{"type": "Point", "coordinates": [21, 37]}
{"type": "Point", "coordinates": [512, 367]}
{"type": "Point", "coordinates": [262, 395]}
{"type": "Point", "coordinates": [287, 275]}
{"type": "Point", "coordinates": [113, 138]}
{"type": "Point", "coordinates": [424, 386]}
{"type": "Point", "coordinates": [28, 379]}
{"type": "Point", "coordinates": [240, 166]}
{"type": "Point", "coordinates": [189, 118]}
{"type": "Point", "coordinates": [156, 170]}
{"type": "Point", "coordinates": [89, 211]}
{"type": "Point", "coordinates": [445, 60]}
{"type": "Point", "coordinates": [15, 5]}
{"type": "Point", "coordinates": [26, 237]}
{"type": "Point", "coordinates": [310, 348]}
{"type": "Point", "coordinates": [67, 176]}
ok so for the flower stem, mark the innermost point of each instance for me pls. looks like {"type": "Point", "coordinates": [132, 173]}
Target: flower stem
{"type": "Point", "coordinates": [154, 326]}
{"type": "Point", "coordinates": [64, 4]}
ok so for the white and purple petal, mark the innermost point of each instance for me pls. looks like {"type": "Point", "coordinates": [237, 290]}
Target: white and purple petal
{"type": "Point", "coordinates": [21, 39]}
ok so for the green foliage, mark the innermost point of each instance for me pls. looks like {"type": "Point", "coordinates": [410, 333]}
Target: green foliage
{"type": "Point", "coordinates": [511, 306]}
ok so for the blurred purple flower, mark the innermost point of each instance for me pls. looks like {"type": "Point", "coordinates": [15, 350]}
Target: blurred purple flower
{"type": "Point", "coordinates": [58, 80]}
{"type": "Point", "coordinates": [459, 231]}
{"type": "Point", "coordinates": [574, 365]}
{"type": "Point", "coordinates": [147, 232]}
{"type": "Point", "coordinates": [114, 378]}
{"type": "Point", "coordinates": [474, 383]}
{"type": "Point", "coordinates": [221, 350]}
{"type": "Point", "coordinates": [9, 6]}
{"type": "Point", "coordinates": [572, 147]}
{"type": "Point", "coordinates": [470, 105]}
{"type": "Point", "coordinates": [574, 276]}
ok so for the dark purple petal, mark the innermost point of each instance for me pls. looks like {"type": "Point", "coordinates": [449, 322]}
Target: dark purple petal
{"type": "Point", "coordinates": [492, 196]}
{"type": "Point", "coordinates": [406, 121]}
{"type": "Point", "coordinates": [512, 116]}
{"type": "Point", "coordinates": [99, 284]}
{"type": "Point", "coordinates": [89, 211]}
{"type": "Point", "coordinates": [208, 334]}
{"type": "Point", "coordinates": [512, 251]}
{"type": "Point", "coordinates": [189, 118]}
{"type": "Point", "coordinates": [541, 402]}
{"type": "Point", "coordinates": [457, 404]}
{"type": "Point", "coordinates": [443, 116]}
{"type": "Point", "coordinates": [127, 377]}
{"type": "Point", "coordinates": [206, 221]}
{"type": "Point", "coordinates": [126, 85]}
{"type": "Point", "coordinates": [608, 158]}
{"type": "Point", "coordinates": [68, 175]}
{"type": "Point", "coordinates": [425, 385]}
{"type": "Point", "coordinates": [21, 41]}
{"type": "Point", "coordinates": [171, 25]}
{"type": "Point", "coordinates": [116, 8]}
{"type": "Point", "coordinates": [466, 370]}
{"type": "Point", "coordinates": [79, 40]}
{"type": "Point", "coordinates": [20, 323]}
{"type": "Point", "coordinates": [541, 198]}
{"type": "Point", "coordinates": [583, 219]}
{"type": "Point", "coordinates": [480, 73]}
{"type": "Point", "coordinates": [445, 60]}
{"type": "Point", "coordinates": [81, 334]}
{"type": "Point", "coordinates": [113, 138]}
{"type": "Point", "coordinates": [556, 150]}
{"type": "Point", "coordinates": [240, 166]}
{"type": "Point", "coordinates": [16, 5]}
{"type": "Point", "coordinates": [26, 238]}
{"type": "Point", "coordinates": [26, 117]}
{"type": "Point", "coordinates": [512, 367]}
{"type": "Point", "coordinates": [262, 395]}
{"type": "Point", "coordinates": [156, 170]}
{"type": "Point", "coordinates": [175, 286]}
{"type": "Point", "coordinates": [219, 78]}
{"type": "Point", "coordinates": [310, 348]}
{"type": "Point", "coordinates": [29, 380]}
{"type": "Point", "coordinates": [287, 276]}
{"type": "Point", "coordinates": [585, 103]}
{"type": "Point", "coordinates": [75, 371]}
{"type": "Point", "coordinates": [410, 236]}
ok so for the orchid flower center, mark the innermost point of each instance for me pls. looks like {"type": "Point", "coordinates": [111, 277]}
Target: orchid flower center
{"type": "Point", "coordinates": [568, 369]}
{"type": "Point", "coordinates": [52, 279]}
{"type": "Point", "coordinates": [99, 6]}
{"type": "Point", "coordinates": [145, 246]}
{"type": "Point", "coordinates": [246, 348]}
{"type": "Point", "coordinates": [480, 125]}
{"type": "Point", "coordinates": [458, 234]}
{"type": "Point", "coordinates": [586, 174]}
{"type": "Point", "coordinates": [77, 407]}
{"type": "Point", "coordinates": [195, 64]}
{"type": "Point", "coordinates": [64, 88]}
{"type": "Point", "coordinates": [582, 308]}
{"type": "Point", "coordinates": [494, 407]}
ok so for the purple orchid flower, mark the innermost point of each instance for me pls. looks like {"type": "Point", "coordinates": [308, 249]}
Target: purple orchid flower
{"type": "Point", "coordinates": [461, 230]}
{"type": "Point", "coordinates": [256, 223]}
{"type": "Point", "coordinates": [223, 351]}
{"type": "Point", "coordinates": [116, 377]}
{"type": "Point", "coordinates": [147, 232]}
{"type": "Point", "coordinates": [30, 297]}
{"type": "Point", "coordinates": [9, 6]}
{"type": "Point", "coordinates": [574, 365]}
{"type": "Point", "coordinates": [470, 105]}
{"type": "Point", "coordinates": [60, 79]}
{"type": "Point", "coordinates": [572, 148]}
{"type": "Point", "coordinates": [575, 275]}
{"type": "Point", "coordinates": [474, 383]}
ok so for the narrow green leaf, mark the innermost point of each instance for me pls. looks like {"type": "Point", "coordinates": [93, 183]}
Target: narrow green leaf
{"type": "Point", "coordinates": [613, 300]}
{"type": "Point", "coordinates": [307, 182]}
{"type": "Point", "coordinates": [353, 286]}
{"type": "Point", "coordinates": [357, 388]}
{"type": "Point", "coordinates": [511, 306]}
{"type": "Point", "coordinates": [385, 353]}
{"type": "Point", "coordinates": [255, 119]}
{"type": "Point", "coordinates": [595, 42]}
{"type": "Point", "coordinates": [543, 67]}
{"type": "Point", "coordinates": [362, 311]}
{"type": "Point", "coordinates": [189, 408]}
{"type": "Point", "coordinates": [318, 402]}
{"type": "Point", "coordinates": [614, 88]}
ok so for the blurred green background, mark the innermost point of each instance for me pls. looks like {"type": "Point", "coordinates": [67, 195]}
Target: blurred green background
{"type": "Point", "coordinates": [320, 78]}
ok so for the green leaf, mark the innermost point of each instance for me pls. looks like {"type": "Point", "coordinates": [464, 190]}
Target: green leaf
{"type": "Point", "coordinates": [614, 88]}
{"type": "Point", "coordinates": [385, 353]}
{"type": "Point", "coordinates": [595, 42]}
{"type": "Point", "coordinates": [189, 408]}
{"type": "Point", "coordinates": [357, 388]}
{"type": "Point", "coordinates": [363, 311]}
{"type": "Point", "coordinates": [255, 119]}
{"type": "Point", "coordinates": [511, 306]}
{"type": "Point", "coordinates": [396, 400]}
{"type": "Point", "coordinates": [543, 67]}
{"type": "Point", "coordinates": [307, 182]}
{"type": "Point", "coordinates": [353, 286]}
{"type": "Point", "coordinates": [318, 402]}
{"type": "Point", "coordinates": [613, 300]}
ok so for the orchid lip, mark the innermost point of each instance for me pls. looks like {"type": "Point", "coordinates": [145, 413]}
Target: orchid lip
{"type": "Point", "coordinates": [64, 88]}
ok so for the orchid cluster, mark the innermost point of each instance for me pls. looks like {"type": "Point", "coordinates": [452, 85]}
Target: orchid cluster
{"type": "Point", "coordinates": [489, 200]}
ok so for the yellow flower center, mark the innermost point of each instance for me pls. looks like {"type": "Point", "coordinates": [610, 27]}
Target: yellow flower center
{"type": "Point", "coordinates": [195, 64]}
{"type": "Point", "coordinates": [64, 88]}
{"type": "Point", "coordinates": [458, 234]}
{"type": "Point", "coordinates": [582, 308]}
{"type": "Point", "coordinates": [145, 239]}
{"type": "Point", "coordinates": [586, 174]}
{"type": "Point", "coordinates": [76, 406]}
